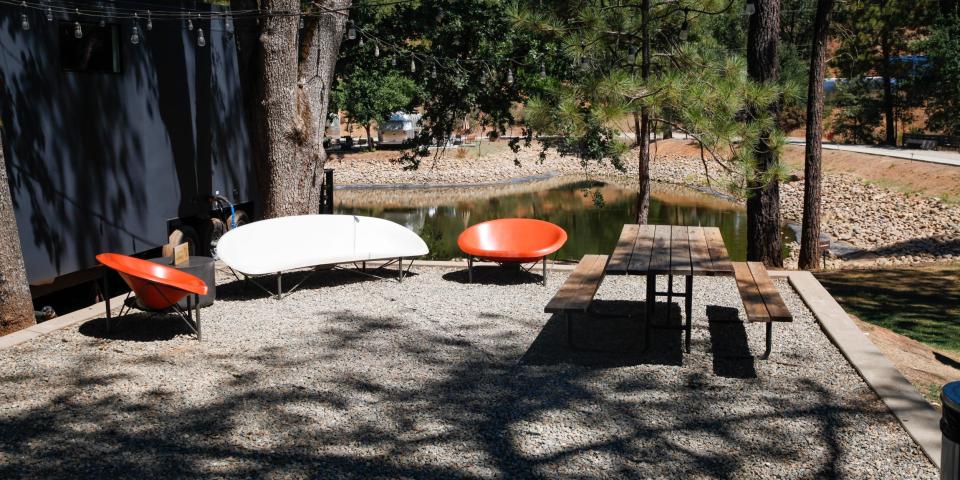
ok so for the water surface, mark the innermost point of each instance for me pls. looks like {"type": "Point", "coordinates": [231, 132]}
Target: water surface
{"type": "Point", "coordinates": [592, 213]}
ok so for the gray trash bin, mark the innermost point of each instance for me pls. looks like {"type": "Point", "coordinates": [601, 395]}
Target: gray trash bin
{"type": "Point", "coordinates": [203, 267]}
{"type": "Point", "coordinates": [950, 427]}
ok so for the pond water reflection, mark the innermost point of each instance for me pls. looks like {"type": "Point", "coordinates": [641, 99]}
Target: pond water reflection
{"type": "Point", "coordinates": [439, 215]}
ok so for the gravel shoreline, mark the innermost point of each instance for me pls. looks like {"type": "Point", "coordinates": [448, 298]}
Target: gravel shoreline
{"type": "Point", "coordinates": [434, 378]}
{"type": "Point", "coordinates": [885, 226]}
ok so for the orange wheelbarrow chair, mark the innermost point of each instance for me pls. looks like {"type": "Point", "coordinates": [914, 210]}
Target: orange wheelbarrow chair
{"type": "Point", "coordinates": [512, 241]}
{"type": "Point", "coordinates": [158, 288]}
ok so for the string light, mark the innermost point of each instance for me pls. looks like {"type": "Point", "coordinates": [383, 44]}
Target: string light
{"type": "Point", "coordinates": [303, 23]}
{"type": "Point", "coordinates": [228, 23]}
{"type": "Point", "coordinates": [190, 24]}
{"type": "Point", "coordinates": [351, 31]}
{"type": "Point", "coordinates": [135, 36]}
{"type": "Point", "coordinates": [24, 23]}
{"type": "Point", "coordinates": [361, 42]}
{"type": "Point", "coordinates": [393, 61]}
{"type": "Point", "coordinates": [201, 42]}
{"type": "Point", "coordinates": [376, 50]}
{"type": "Point", "coordinates": [149, 21]}
{"type": "Point", "coordinates": [413, 65]}
{"type": "Point", "coordinates": [433, 73]}
{"type": "Point", "coordinates": [49, 14]}
{"type": "Point", "coordinates": [543, 70]}
{"type": "Point", "coordinates": [510, 76]}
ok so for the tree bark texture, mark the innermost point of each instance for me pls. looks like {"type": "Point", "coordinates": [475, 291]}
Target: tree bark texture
{"type": "Point", "coordinates": [643, 135]}
{"type": "Point", "coordinates": [763, 202]}
{"type": "Point", "coordinates": [16, 306]}
{"type": "Point", "coordinates": [810, 229]}
{"type": "Point", "coordinates": [888, 98]}
{"type": "Point", "coordinates": [294, 69]}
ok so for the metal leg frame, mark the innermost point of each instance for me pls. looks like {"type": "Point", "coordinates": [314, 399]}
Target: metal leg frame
{"type": "Point", "coordinates": [768, 347]}
{"type": "Point", "coordinates": [652, 295]}
{"type": "Point", "coordinates": [470, 260]}
{"type": "Point", "coordinates": [190, 316]}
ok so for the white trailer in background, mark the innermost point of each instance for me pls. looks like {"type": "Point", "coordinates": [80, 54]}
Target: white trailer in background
{"type": "Point", "coordinates": [400, 129]}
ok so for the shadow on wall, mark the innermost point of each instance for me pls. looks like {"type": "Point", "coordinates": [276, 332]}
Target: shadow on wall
{"type": "Point", "coordinates": [100, 161]}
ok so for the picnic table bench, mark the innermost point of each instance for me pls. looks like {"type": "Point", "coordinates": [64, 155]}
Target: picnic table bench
{"type": "Point", "coordinates": [577, 292]}
{"type": "Point", "coordinates": [760, 297]}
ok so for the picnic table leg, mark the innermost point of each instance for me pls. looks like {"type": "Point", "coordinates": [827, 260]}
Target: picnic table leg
{"type": "Point", "coordinates": [769, 346]}
{"type": "Point", "coordinates": [651, 306]}
{"type": "Point", "coordinates": [688, 303]}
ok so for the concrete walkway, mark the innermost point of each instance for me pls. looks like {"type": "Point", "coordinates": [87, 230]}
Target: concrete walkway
{"type": "Point", "coordinates": [929, 156]}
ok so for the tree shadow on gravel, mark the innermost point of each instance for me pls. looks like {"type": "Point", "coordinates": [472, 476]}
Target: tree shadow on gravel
{"type": "Point", "coordinates": [494, 275]}
{"type": "Point", "coordinates": [138, 327]}
{"type": "Point", "coordinates": [381, 396]}
{"type": "Point", "coordinates": [611, 337]}
{"type": "Point", "coordinates": [728, 344]}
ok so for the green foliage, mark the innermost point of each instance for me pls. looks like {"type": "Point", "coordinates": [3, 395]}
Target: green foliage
{"type": "Point", "coordinates": [942, 75]}
{"type": "Point", "coordinates": [370, 96]}
{"type": "Point", "coordinates": [858, 111]}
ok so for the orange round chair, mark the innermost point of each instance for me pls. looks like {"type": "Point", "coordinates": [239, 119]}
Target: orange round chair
{"type": "Point", "coordinates": [511, 241]}
{"type": "Point", "coordinates": [157, 287]}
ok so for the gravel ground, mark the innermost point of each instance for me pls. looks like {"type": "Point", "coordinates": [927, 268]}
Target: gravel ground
{"type": "Point", "coordinates": [351, 377]}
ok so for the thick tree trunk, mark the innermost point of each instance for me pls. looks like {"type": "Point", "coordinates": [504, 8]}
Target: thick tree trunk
{"type": "Point", "coordinates": [294, 69]}
{"type": "Point", "coordinates": [16, 307]}
{"type": "Point", "coordinates": [763, 203]}
{"type": "Point", "coordinates": [643, 135]}
{"type": "Point", "coordinates": [810, 234]}
{"type": "Point", "coordinates": [636, 128]}
{"type": "Point", "coordinates": [888, 100]}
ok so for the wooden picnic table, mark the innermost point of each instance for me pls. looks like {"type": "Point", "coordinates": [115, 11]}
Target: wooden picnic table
{"type": "Point", "coordinates": [672, 250]}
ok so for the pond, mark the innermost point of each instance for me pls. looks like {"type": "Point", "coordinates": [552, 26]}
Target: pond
{"type": "Point", "coordinates": [592, 212]}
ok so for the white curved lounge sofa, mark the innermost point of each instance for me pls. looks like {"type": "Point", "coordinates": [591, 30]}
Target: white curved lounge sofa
{"type": "Point", "coordinates": [277, 245]}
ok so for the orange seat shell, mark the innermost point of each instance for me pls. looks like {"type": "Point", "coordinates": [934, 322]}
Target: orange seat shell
{"type": "Point", "coordinates": [157, 286]}
{"type": "Point", "coordinates": [517, 240]}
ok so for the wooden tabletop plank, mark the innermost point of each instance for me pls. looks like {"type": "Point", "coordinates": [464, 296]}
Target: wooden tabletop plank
{"type": "Point", "coordinates": [660, 255]}
{"type": "Point", "coordinates": [753, 302]}
{"type": "Point", "coordinates": [642, 250]}
{"type": "Point", "coordinates": [620, 260]}
{"type": "Point", "coordinates": [680, 251]}
{"type": "Point", "coordinates": [578, 291]}
{"type": "Point", "coordinates": [776, 309]}
{"type": "Point", "coordinates": [719, 257]}
{"type": "Point", "coordinates": [700, 261]}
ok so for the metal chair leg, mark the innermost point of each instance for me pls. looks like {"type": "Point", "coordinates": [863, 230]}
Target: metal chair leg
{"type": "Point", "coordinates": [544, 271]}
{"type": "Point", "coordinates": [197, 319]}
{"type": "Point", "coordinates": [279, 285]}
{"type": "Point", "coordinates": [470, 269]}
{"type": "Point", "coordinates": [106, 298]}
{"type": "Point", "coordinates": [400, 274]}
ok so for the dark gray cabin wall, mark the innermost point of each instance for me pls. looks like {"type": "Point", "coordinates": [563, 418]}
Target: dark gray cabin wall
{"type": "Point", "coordinates": [101, 162]}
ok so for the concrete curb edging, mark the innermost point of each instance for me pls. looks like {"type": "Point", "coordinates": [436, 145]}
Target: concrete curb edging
{"type": "Point", "coordinates": [920, 420]}
{"type": "Point", "coordinates": [68, 320]}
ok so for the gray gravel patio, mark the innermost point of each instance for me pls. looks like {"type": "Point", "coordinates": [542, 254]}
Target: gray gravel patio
{"type": "Point", "coordinates": [353, 377]}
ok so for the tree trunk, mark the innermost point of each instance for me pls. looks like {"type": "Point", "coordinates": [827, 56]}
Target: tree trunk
{"type": "Point", "coordinates": [888, 100]}
{"type": "Point", "coordinates": [763, 202]}
{"type": "Point", "coordinates": [636, 128]}
{"type": "Point", "coordinates": [810, 234]}
{"type": "Point", "coordinates": [643, 135]}
{"type": "Point", "coordinates": [16, 306]}
{"type": "Point", "coordinates": [369, 137]}
{"type": "Point", "coordinates": [294, 69]}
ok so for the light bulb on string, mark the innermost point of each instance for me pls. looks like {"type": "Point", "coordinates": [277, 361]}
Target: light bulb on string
{"type": "Point", "coordinates": [361, 42]}
{"type": "Point", "coordinates": [24, 23]}
{"type": "Point", "coordinates": [201, 42]}
{"type": "Point", "coordinates": [228, 23]}
{"type": "Point", "coordinates": [413, 65]}
{"type": "Point", "coordinates": [149, 21]}
{"type": "Point", "coordinates": [190, 24]}
{"type": "Point", "coordinates": [749, 8]}
{"type": "Point", "coordinates": [135, 36]}
{"type": "Point", "coordinates": [77, 31]}
{"type": "Point", "coordinates": [439, 16]}
{"type": "Point", "coordinates": [433, 73]}
{"type": "Point", "coordinates": [376, 50]}
{"type": "Point", "coordinates": [393, 61]}
{"type": "Point", "coordinates": [303, 23]}
{"type": "Point", "coordinates": [510, 76]}
{"type": "Point", "coordinates": [351, 31]}
{"type": "Point", "coordinates": [49, 14]}
{"type": "Point", "coordinates": [543, 70]}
